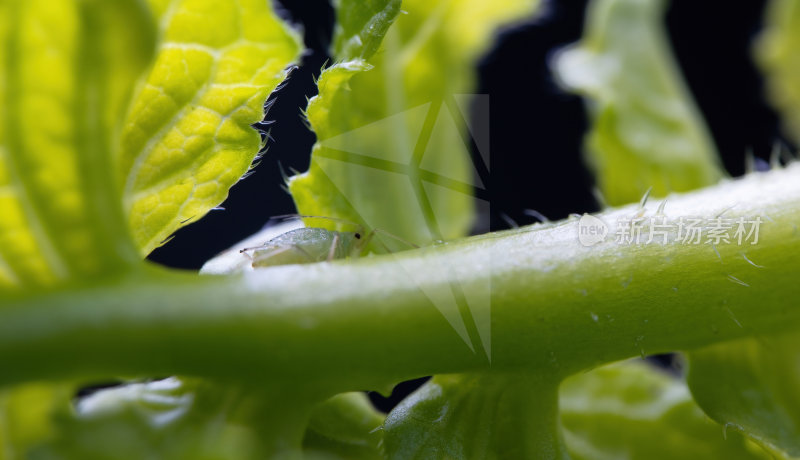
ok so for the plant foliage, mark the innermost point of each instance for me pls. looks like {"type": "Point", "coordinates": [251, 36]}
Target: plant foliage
{"type": "Point", "coordinates": [122, 121]}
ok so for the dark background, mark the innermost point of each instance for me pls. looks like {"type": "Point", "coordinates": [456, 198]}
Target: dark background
{"type": "Point", "coordinates": [536, 160]}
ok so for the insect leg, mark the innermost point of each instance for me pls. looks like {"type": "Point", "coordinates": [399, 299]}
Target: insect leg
{"type": "Point", "coordinates": [332, 250]}
{"type": "Point", "coordinates": [243, 251]}
{"type": "Point", "coordinates": [260, 259]}
{"type": "Point", "coordinates": [267, 258]}
{"type": "Point", "coordinates": [402, 240]}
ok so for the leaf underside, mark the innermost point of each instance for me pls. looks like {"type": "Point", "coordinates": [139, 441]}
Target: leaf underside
{"type": "Point", "coordinates": [396, 124]}
{"type": "Point", "coordinates": [646, 131]}
{"type": "Point", "coordinates": [187, 138]}
{"type": "Point", "coordinates": [66, 71]}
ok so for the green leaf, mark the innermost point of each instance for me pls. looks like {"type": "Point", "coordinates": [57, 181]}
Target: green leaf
{"type": "Point", "coordinates": [646, 131]}
{"type": "Point", "coordinates": [751, 386]}
{"type": "Point", "coordinates": [345, 427]}
{"type": "Point", "coordinates": [161, 419]}
{"type": "Point", "coordinates": [476, 417]}
{"type": "Point", "coordinates": [190, 418]}
{"type": "Point", "coordinates": [182, 418]}
{"type": "Point", "coordinates": [66, 72]}
{"type": "Point", "coordinates": [179, 419]}
{"type": "Point", "coordinates": [361, 25]}
{"type": "Point", "coordinates": [27, 416]}
{"type": "Point", "coordinates": [631, 410]}
{"type": "Point", "coordinates": [187, 138]}
{"type": "Point", "coordinates": [394, 123]}
{"type": "Point", "coordinates": [777, 53]}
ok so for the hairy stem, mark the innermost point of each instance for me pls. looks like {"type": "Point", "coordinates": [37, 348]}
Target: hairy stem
{"type": "Point", "coordinates": [556, 306]}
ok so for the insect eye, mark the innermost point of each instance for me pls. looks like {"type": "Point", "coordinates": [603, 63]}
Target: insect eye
{"type": "Point", "coordinates": [358, 236]}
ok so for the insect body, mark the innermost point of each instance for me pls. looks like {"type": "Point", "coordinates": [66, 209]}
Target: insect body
{"type": "Point", "coordinates": [309, 245]}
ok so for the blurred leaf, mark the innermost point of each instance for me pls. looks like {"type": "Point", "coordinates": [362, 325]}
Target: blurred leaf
{"type": "Point", "coordinates": [345, 427]}
{"type": "Point", "coordinates": [361, 25]}
{"type": "Point", "coordinates": [630, 410]}
{"type": "Point", "coordinates": [752, 386]}
{"type": "Point", "coordinates": [392, 151]}
{"type": "Point", "coordinates": [161, 419]}
{"type": "Point", "coordinates": [177, 419]}
{"type": "Point", "coordinates": [66, 72]}
{"type": "Point", "coordinates": [646, 131]}
{"type": "Point", "coordinates": [27, 414]}
{"type": "Point", "coordinates": [778, 53]}
{"type": "Point", "coordinates": [188, 418]}
{"type": "Point", "coordinates": [476, 417]}
{"type": "Point", "coordinates": [187, 138]}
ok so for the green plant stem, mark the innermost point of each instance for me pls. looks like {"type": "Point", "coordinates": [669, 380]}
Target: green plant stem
{"type": "Point", "coordinates": [556, 306]}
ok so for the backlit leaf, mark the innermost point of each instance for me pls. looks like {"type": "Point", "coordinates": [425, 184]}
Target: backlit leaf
{"type": "Point", "coordinates": [393, 139]}
{"type": "Point", "coordinates": [174, 419]}
{"type": "Point", "coordinates": [476, 417]}
{"type": "Point", "coordinates": [28, 415]}
{"type": "Point", "coordinates": [361, 25]}
{"type": "Point", "coordinates": [187, 138]}
{"type": "Point", "coordinates": [66, 72]}
{"type": "Point", "coordinates": [778, 53]}
{"type": "Point", "coordinates": [633, 411]}
{"type": "Point", "coordinates": [345, 427]}
{"type": "Point", "coordinates": [646, 131]}
{"type": "Point", "coordinates": [751, 386]}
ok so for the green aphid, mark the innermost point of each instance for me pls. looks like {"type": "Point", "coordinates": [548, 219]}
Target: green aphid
{"type": "Point", "coordinates": [312, 244]}
{"type": "Point", "coordinates": [309, 245]}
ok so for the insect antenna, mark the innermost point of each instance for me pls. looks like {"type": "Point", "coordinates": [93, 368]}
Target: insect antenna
{"type": "Point", "coordinates": [369, 237]}
{"type": "Point", "coordinates": [395, 237]}
{"type": "Point", "coordinates": [307, 216]}
{"type": "Point", "coordinates": [385, 248]}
